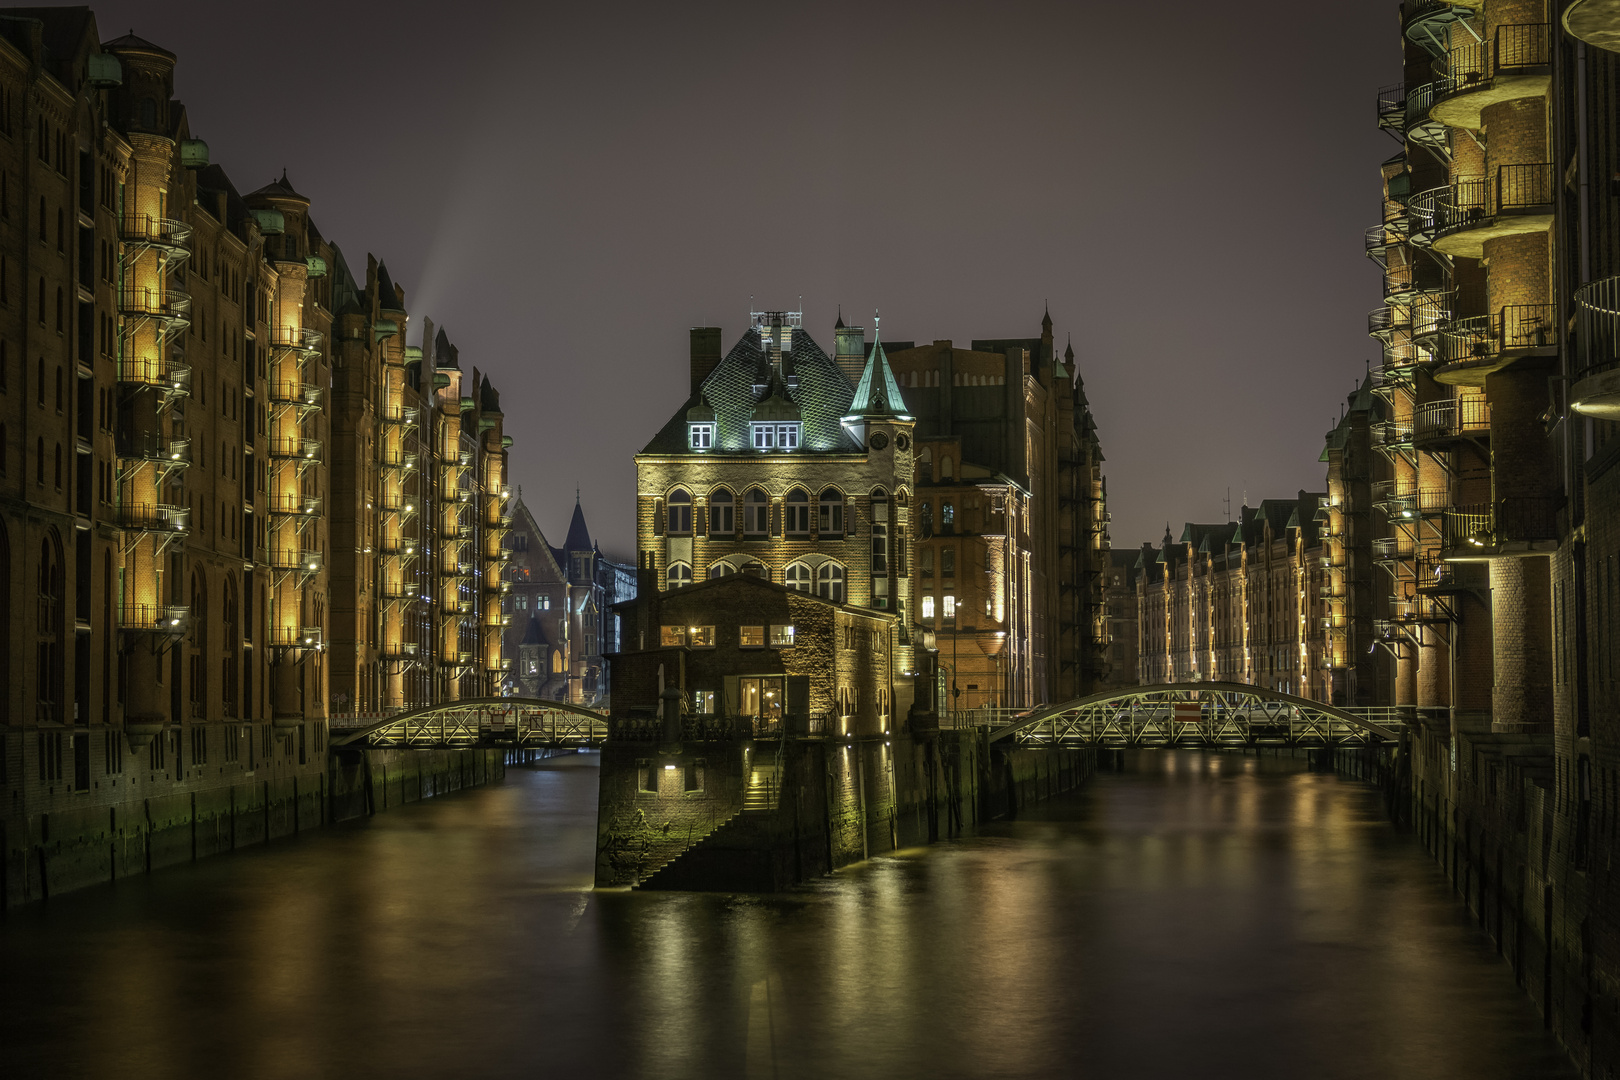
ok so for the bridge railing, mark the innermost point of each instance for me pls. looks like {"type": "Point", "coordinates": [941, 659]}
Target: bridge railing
{"type": "Point", "coordinates": [472, 723]}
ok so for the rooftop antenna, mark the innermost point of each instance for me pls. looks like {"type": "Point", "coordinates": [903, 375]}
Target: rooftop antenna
{"type": "Point", "coordinates": [1228, 503]}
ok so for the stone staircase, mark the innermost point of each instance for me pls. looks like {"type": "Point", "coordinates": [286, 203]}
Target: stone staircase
{"type": "Point", "coordinates": [760, 797]}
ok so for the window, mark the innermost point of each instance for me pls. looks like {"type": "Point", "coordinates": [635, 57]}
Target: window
{"type": "Point", "coordinates": [830, 510]}
{"type": "Point", "coordinates": [775, 436]}
{"type": "Point", "coordinates": [764, 436]}
{"type": "Point", "coordinates": [703, 702]}
{"type": "Point", "coordinates": [678, 575]}
{"type": "Point", "coordinates": [672, 635]}
{"type": "Point", "coordinates": [928, 607]}
{"type": "Point", "coordinates": [700, 637]}
{"type": "Point", "coordinates": [947, 515]}
{"type": "Point", "coordinates": [925, 560]}
{"type": "Point", "coordinates": [720, 570]}
{"type": "Point", "coordinates": [760, 697]}
{"type": "Point", "coordinates": [947, 562]}
{"type": "Point", "coordinates": [756, 513]}
{"type": "Point", "coordinates": [798, 512]}
{"type": "Point", "coordinates": [798, 577]}
{"type": "Point", "coordinates": [781, 637]}
{"type": "Point", "coordinates": [880, 551]}
{"type": "Point", "coordinates": [787, 436]}
{"type": "Point", "coordinates": [722, 514]}
{"type": "Point", "coordinates": [948, 602]}
{"type": "Point", "coordinates": [925, 523]}
{"type": "Point", "coordinates": [680, 512]}
{"type": "Point", "coordinates": [522, 602]}
{"type": "Point", "coordinates": [751, 637]}
{"type": "Point", "coordinates": [830, 582]}
{"type": "Point", "coordinates": [701, 436]}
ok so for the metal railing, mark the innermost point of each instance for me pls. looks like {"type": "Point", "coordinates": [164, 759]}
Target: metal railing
{"type": "Point", "coordinates": [293, 504]}
{"type": "Point", "coordinates": [1515, 189]}
{"type": "Point", "coordinates": [147, 229]}
{"type": "Point", "coordinates": [169, 374]}
{"type": "Point", "coordinates": [1469, 415]}
{"type": "Point", "coordinates": [296, 449]}
{"type": "Point", "coordinates": [155, 448]}
{"type": "Point", "coordinates": [154, 517]}
{"type": "Point", "coordinates": [1516, 326]}
{"type": "Point", "coordinates": [1390, 548]}
{"type": "Point", "coordinates": [295, 393]}
{"type": "Point", "coordinates": [294, 337]}
{"type": "Point", "coordinates": [154, 618]}
{"type": "Point", "coordinates": [1597, 313]}
{"type": "Point", "coordinates": [1515, 49]}
{"type": "Point", "coordinates": [1525, 519]}
{"type": "Point", "coordinates": [164, 303]}
{"type": "Point", "coordinates": [1392, 107]}
{"type": "Point", "coordinates": [307, 562]}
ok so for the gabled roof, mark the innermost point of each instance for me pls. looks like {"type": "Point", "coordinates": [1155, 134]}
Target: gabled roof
{"type": "Point", "coordinates": [822, 396]}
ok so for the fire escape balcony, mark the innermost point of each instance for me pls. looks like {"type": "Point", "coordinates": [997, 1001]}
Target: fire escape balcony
{"type": "Point", "coordinates": [1517, 200]}
{"type": "Point", "coordinates": [304, 451]}
{"type": "Point", "coordinates": [1512, 527]}
{"type": "Point", "coordinates": [169, 377]}
{"type": "Point", "coordinates": [168, 307]}
{"type": "Point", "coordinates": [140, 232]}
{"type": "Point", "coordinates": [300, 396]}
{"type": "Point", "coordinates": [154, 518]}
{"type": "Point", "coordinates": [1392, 109]}
{"type": "Point", "coordinates": [171, 620]}
{"type": "Point", "coordinates": [396, 591]}
{"type": "Point", "coordinates": [300, 506]}
{"type": "Point", "coordinates": [398, 651]}
{"type": "Point", "coordinates": [1404, 282]}
{"type": "Point", "coordinates": [1420, 124]}
{"type": "Point", "coordinates": [286, 561]}
{"type": "Point", "coordinates": [1392, 436]}
{"type": "Point", "coordinates": [402, 505]}
{"type": "Point", "coordinates": [300, 638]}
{"type": "Point", "coordinates": [1426, 22]}
{"type": "Point", "coordinates": [295, 339]}
{"type": "Point", "coordinates": [1596, 391]}
{"type": "Point", "coordinates": [1388, 549]}
{"type": "Point", "coordinates": [1514, 64]}
{"type": "Point", "coordinates": [398, 461]}
{"type": "Point", "coordinates": [1472, 348]}
{"type": "Point", "coordinates": [399, 547]}
{"type": "Point", "coordinates": [1440, 424]}
{"type": "Point", "coordinates": [403, 416]}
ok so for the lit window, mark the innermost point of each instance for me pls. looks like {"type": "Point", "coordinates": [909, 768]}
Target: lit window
{"type": "Point", "coordinates": [775, 436]}
{"type": "Point", "coordinates": [673, 635]}
{"type": "Point", "coordinates": [702, 436]}
{"type": "Point", "coordinates": [928, 607]}
{"type": "Point", "coordinates": [798, 577]}
{"type": "Point", "coordinates": [700, 637]}
{"type": "Point", "coordinates": [781, 636]}
{"type": "Point", "coordinates": [543, 603]}
{"type": "Point", "coordinates": [947, 515]}
{"type": "Point", "coordinates": [751, 637]}
{"type": "Point", "coordinates": [703, 702]}
{"type": "Point", "coordinates": [949, 602]}
{"type": "Point", "coordinates": [522, 602]}
{"type": "Point", "coordinates": [880, 551]}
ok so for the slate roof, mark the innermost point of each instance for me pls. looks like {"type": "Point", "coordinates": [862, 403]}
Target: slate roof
{"type": "Point", "coordinates": [280, 189]}
{"type": "Point", "coordinates": [878, 394]}
{"type": "Point", "coordinates": [823, 396]}
{"type": "Point", "coordinates": [534, 633]}
{"type": "Point", "coordinates": [579, 537]}
{"type": "Point", "coordinates": [345, 289]}
{"type": "Point", "coordinates": [387, 294]}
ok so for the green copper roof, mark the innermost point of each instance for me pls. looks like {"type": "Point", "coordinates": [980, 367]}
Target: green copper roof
{"type": "Point", "coordinates": [877, 394]}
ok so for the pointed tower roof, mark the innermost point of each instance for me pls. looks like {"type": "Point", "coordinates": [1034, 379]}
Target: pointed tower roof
{"type": "Point", "coordinates": [387, 295]}
{"type": "Point", "coordinates": [1046, 317]}
{"type": "Point", "coordinates": [877, 394]}
{"type": "Point", "coordinates": [279, 189]}
{"type": "Point", "coordinates": [839, 325]}
{"type": "Point", "coordinates": [579, 537]}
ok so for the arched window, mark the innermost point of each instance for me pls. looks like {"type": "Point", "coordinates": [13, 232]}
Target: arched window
{"type": "Point", "coordinates": [722, 513]}
{"type": "Point", "coordinates": [678, 575]}
{"type": "Point", "coordinates": [58, 466]}
{"type": "Point", "coordinates": [556, 662]}
{"type": "Point", "coordinates": [59, 388]}
{"type": "Point", "coordinates": [60, 325]}
{"type": "Point", "coordinates": [830, 512]}
{"type": "Point", "coordinates": [798, 577]}
{"type": "Point", "coordinates": [756, 513]}
{"type": "Point", "coordinates": [798, 512]}
{"type": "Point", "coordinates": [830, 582]}
{"type": "Point", "coordinates": [680, 513]}
{"type": "Point", "coordinates": [720, 570]}
{"type": "Point", "coordinates": [39, 462]}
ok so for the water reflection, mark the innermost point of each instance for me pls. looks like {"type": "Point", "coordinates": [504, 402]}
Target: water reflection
{"type": "Point", "coordinates": [1196, 916]}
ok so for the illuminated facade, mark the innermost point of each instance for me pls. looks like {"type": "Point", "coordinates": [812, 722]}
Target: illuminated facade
{"type": "Point", "coordinates": [1237, 602]}
{"type": "Point", "coordinates": [561, 625]}
{"type": "Point", "coordinates": [198, 460]}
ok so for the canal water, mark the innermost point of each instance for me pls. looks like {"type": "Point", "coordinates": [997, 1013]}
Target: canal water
{"type": "Point", "coordinates": [1195, 916]}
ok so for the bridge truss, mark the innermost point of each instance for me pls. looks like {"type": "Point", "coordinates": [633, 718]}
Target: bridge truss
{"type": "Point", "coordinates": [1209, 714]}
{"type": "Point", "coordinates": [509, 722]}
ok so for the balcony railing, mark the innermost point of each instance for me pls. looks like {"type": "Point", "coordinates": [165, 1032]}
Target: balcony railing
{"type": "Point", "coordinates": [154, 618]}
{"type": "Point", "coordinates": [1392, 107]}
{"type": "Point", "coordinates": [1394, 548]}
{"type": "Point", "coordinates": [1597, 313]}
{"type": "Point", "coordinates": [296, 449]}
{"type": "Point", "coordinates": [296, 505]}
{"type": "Point", "coordinates": [172, 452]}
{"type": "Point", "coordinates": [154, 517]}
{"type": "Point", "coordinates": [1514, 521]}
{"type": "Point", "coordinates": [398, 459]}
{"type": "Point", "coordinates": [297, 338]}
{"type": "Point", "coordinates": [1391, 434]}
{"type": "Point", "coordinates": [290, 559]}
{"type": "Point", "coordinates": [293, 393]}
{"type": "Point", "coordinates": [157, 231]}
{"type": "Point", "coordinates": [1422, 128]}
{"type": "Point", "coordinates": [1401, 280]}
{"type": "Point", "coordinates": [1462, 417]}
{"type": "Point", "coordinates": [165, 303]}
{"type": "Point", "coordinates": [1481, 337]}
{"type": "Point", "coordinates": [1515, 190]}
{"type": "Point", "coordinates": [167, 374]}
{"type": "Point", "coordinates": [1515, 49]}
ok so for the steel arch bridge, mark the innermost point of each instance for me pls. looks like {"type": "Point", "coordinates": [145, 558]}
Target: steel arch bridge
{"type": "Point", "coordinates": [1203, 714]}
{"type": "Point", "coordinates": [510, 722]}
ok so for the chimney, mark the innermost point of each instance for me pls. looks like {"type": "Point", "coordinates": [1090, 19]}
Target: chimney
{"type": "Point", "coordinates": [705, 353]}
{"type": "Point", "coordinates": [850, 351]}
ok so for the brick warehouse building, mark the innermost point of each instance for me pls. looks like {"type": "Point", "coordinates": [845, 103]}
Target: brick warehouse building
{"type": "Point", "coordinates": [1496, 518]}
{"type": "Point", "coordinates": [230, 493]}
{"type": "Point", "coordinates": [959, 490]}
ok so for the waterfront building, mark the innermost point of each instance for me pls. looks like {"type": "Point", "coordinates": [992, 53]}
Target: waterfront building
{"type": "Point", "coordinates": [958, 489]}
{"type": "Point", "coordinates": [1500, 529]}
{"type": "Point", "coordinates": [1119, 602]}
{"type": "Point", "coordinates": [1239, 601]}
{"type": "Point", "coordinates": [217, 464]}
{"type": "Point", "coordinates": [561, 623]}
{"type": "Point", "coordinates": [1360, 554]}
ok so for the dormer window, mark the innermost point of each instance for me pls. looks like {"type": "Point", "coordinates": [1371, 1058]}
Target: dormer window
{"type": "Point", "coordinates": [701, 436]}
{"type": "Point", "coordinates": [776, 436]}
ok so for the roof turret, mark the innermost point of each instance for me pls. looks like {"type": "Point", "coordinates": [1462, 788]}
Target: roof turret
{"type": "Point", "coordinates": [877, 394]}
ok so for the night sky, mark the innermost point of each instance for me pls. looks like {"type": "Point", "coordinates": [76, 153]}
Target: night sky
{"type": "Point", "coordinates": [568, 187]}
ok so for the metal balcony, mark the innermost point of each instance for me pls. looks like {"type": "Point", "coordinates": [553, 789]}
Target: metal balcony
{"type": "Point", "coordinates": [403, 415]}
{"type": "Point", "coordinates": [169, 376]}
{"type": "Point", "coordinates": [171, 620]}
{"type": "Point", "coordinates": [167, 305]}
{"type": "Point", "coordinates": [1596, 391]}
{"type": "Point", "coordinates": [170, 453]}
{"type": "Point", "coordinates": [400, 650]}
{"type": "Point", "coordinates": [399, 547]}
{"type": "Point", "coordinates": [1512, 65]}
{"type": "Point", "coordinates": [398, 460]}
{"type": "Point", "coordinates": [154, 517]}
{"type": "Point", "coordinates": [1392, 109]}
{"type": "Point", "coordinates": [1471, 348]}
{"type": "Point", "coordinates": [1426, 22]}
{"type": "Point", "coordinates": [146, 231]}
{"type": "Point", "coordinates": [1440, 423]}
{"type": "Point", "coordinates": [399, 590]}
{"type": "Point", "coordinates": [294, 505]}
{"type": "Point", "coordinates": [404, 505]}
{"type": "Point", "coordinates": [295, 339]}
{"type": "Point", "coordinates": [1517, 200]}
{"type": "Point", "coordinates": [297, 637]}
{"type": "Point", "coordinates": [303, 396]}
{"type": "Point", "coordinates": [1421, 126]}
{"type": "Point", "coordinates": [1392, 436]}
{"type": "Point", "coordinates": [293, 560]}
{"type": "Point", "coordinates": [307, 451]}
{"type": "Point", "coordinates": [1404, 281]}
{"type": "Point", "coordinates": [1508, 528]}
{"type": "Point", "coordinates": [1388, 549]}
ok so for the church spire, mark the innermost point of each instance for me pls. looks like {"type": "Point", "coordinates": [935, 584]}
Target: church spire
{"type": "Point", "coordinates": [877, 394]}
